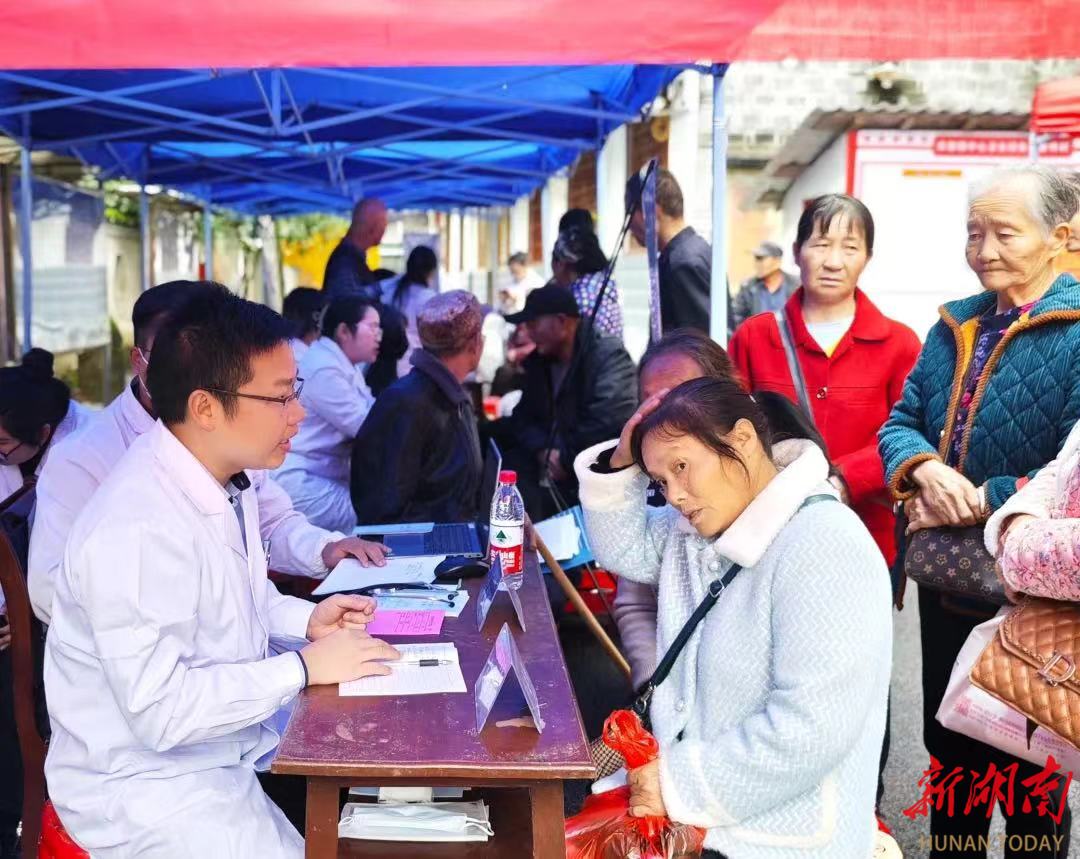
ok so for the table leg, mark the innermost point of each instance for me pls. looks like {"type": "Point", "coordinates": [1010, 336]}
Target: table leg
{"type": "Point", "coordinates": [546, 801]}
{"type": "Point", "coordinates": [321, 840]}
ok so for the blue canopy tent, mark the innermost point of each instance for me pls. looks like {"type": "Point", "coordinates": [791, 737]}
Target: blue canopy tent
{"type": "Point", "coordinates": [283, 141]}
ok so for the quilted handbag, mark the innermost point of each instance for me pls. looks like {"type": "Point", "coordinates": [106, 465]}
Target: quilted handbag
{"type": "Point", "coordinates": [955, 561]}
{"type": "Point", "coordinates": [1031, 665]}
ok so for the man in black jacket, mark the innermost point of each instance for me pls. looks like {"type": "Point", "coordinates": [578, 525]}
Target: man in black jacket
{"type": "Point", "coordinates": [417, 457]}
{"type": "Point", "coordinates": [579, 389]}
{"type": "Point", "coordinates": [685, 264]}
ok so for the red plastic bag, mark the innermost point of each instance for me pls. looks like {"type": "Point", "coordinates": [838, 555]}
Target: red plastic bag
{"type": "Point", "coordinates": [604, 829]}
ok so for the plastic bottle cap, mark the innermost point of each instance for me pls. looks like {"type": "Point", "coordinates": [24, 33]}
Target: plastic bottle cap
{"type": "Point", "coordinates": [507, 477]}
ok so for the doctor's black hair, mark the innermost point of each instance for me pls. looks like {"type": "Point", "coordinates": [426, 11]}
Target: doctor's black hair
{"type": "Point", "coordinates": [31, 398]}
{"type": "Point", "coordinates": [349, 310]}
{"type": "Point", "coordinates": [208, 343]}
{"type": "Point", "coordinates": [153, 306]}
{"type": "Point", "coordinates": [303, 307]}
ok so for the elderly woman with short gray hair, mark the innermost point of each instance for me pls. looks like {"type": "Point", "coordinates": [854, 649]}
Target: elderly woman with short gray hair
{"type": "Point", "coordinates": [417, 458]}
{"type": "Point", "coordinates": [990, 401]}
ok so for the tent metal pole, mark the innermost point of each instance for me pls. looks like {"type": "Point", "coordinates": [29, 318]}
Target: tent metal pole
{"type": "Point", "coordinates": [26, 215]}
{"type": "Point", "coordinates": [718, 310]}
{"type": "Point", "coordinates": [208, 241]}
{"type": "Point", "coordinates": [144, 238]}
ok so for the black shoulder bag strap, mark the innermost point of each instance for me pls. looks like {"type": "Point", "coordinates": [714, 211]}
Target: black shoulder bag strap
{"type": "Point", "coordinates": [644, 696]}
{"type": "Point", "coordinates": [793, 363]}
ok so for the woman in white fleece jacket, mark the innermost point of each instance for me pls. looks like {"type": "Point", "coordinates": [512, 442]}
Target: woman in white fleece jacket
{"type": "Point", "coordinates": [770, 724]}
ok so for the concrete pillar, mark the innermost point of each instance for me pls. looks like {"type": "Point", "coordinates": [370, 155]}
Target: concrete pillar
{"type": "Point", "coordinates": [683, 140]}
{"type": "Point", "coordinates": [611, 188]}
{"type": "Point", "coordinates": [470, 242]}
{"type": "Point", "coordinates": [519, 226]}
{"type": "Point", "coordinates": [453, 253]}
{"type": "Point", "coordinates": [554, 201]}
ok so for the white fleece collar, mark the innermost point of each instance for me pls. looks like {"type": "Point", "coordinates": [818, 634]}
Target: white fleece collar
{"type": "Point", "coordinates": [749, 536]}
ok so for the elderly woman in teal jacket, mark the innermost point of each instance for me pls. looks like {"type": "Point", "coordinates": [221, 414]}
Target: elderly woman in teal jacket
{"type": "Point", "coordinates": [991, 400]}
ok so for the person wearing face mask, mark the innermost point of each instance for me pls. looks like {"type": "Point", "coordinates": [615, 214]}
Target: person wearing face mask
{"type": "Point", "coordinates": [773, 753]}
{"type": "Point", "coordinates": [991, 401]}
{"type": "Point", "coordinates": [853, 358]}
{"type": "Point", "coordinates": [36, 412]}
{"type": "Point", "coordinates": [160, 676]}
{"type": "Point", "coordinates": [80, 463]}
{"type": "Point", "coordinates": [337, 400]}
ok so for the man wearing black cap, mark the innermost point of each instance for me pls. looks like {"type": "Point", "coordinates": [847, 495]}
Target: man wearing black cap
{"type": "Point", "coordinates": [769, 288]}
{"type": "Point", "coordinates": [579, 390]}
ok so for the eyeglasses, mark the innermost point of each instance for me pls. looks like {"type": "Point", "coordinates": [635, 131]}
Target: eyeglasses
{"type": "Point", "coordinates": [5, 454]}
{"type": "Point", "coordinates": [281, 401]}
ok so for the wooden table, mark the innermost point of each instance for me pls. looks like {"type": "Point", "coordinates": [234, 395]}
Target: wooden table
{"type": "Point", "coordinates": [432, 740]}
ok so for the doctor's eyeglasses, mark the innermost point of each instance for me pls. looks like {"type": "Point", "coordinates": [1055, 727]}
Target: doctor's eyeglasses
{"type": "Point", "coordinates": [281, 401]}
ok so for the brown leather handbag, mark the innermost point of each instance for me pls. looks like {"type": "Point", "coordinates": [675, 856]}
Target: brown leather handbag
{"type": "Point", "coordinates": [954, 561]}
{"type": "Point", "coordinates": [1031, 666]}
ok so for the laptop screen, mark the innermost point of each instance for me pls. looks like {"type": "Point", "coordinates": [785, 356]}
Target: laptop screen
{"type": "Point", "coordinates": [492, 467]}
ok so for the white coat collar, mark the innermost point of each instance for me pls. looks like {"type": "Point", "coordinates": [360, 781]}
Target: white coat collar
{"type": "Point", "coordinates": [325, 352]}
{"type": "Point", "coordinates": [209, 496]}
{"type": "Point", "coordinates": [748, 538]}
{"type": "Point", "coordinates": [131, 410]}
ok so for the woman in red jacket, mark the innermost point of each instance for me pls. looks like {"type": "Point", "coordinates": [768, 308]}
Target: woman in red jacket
{"type": "Point", "coordinates": [854, 360]}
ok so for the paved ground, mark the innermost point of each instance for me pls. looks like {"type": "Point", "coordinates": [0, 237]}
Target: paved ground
{"type": "Point", "coordinates": [600, 689]}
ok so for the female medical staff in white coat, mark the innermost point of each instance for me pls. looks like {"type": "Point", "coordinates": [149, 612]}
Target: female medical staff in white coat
{"type": "Point", "coordinates": [36, 410]}
{"type": "Point", "coordinates": [337, 400]}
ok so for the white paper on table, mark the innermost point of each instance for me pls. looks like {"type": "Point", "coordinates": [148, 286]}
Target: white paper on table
{"type": "Point", "coordinates": [405, 679]}
{"type": "Point", "coordinates": [561, 535]}
{"type": "Point", "coordinates": [402, 603]}
{"type": "Point", "coordinates": [378, 822]}
{"type": "Point", "coordinates": [348, 575]}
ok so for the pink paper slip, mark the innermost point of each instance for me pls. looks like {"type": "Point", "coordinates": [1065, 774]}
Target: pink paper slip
{"type": "Point", "coordinates": [406, 623]}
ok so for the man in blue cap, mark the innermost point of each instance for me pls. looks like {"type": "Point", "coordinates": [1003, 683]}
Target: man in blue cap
{"type": "Point", "coordinates": [769, 288]}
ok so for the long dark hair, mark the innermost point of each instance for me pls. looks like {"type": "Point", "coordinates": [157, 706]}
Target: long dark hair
{"type": "Point", "coordinates": [418, 268]}
{"type": "Point", "coordinates": [31, 398]}
{"type": "Point", "coordinates": [581, 248]}
{"type": "Point", "coordinates": [705, 409]}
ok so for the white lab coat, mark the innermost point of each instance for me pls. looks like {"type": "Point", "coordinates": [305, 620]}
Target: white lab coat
{"type": "Point", "coordinates": [316, 471]}
{"type": "Point", "coordinates": [79, 465]}
{"type": "Point", "coordinates": [299, 349]}
{"type": "Point", "coordinates": [11, 477]}
{"type": "Point", "coordinates": [157, 673]}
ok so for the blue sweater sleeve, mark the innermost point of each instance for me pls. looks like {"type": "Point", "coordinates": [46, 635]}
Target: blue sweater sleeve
{"type": "Point", "coordinates": [902, 440]}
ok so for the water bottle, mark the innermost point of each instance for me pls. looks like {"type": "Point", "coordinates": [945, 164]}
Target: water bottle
{"type": "Point", "coordinates": [508, 529]}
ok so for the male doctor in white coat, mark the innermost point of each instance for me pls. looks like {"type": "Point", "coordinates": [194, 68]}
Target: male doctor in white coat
{"type": "Point", "coordinates": [158, 671]}
{"type": "Point", "coordinates": [78, 465]}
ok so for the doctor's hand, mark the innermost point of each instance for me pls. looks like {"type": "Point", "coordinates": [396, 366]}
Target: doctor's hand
{"type": "Point", "coordinates": [645, 798]}
{"type": "Point", "coordinates": [340, 611]}
{"type": "Point", "coordinates": [347, 654]}
{"type": "Point", "coordinates": [367, 553]}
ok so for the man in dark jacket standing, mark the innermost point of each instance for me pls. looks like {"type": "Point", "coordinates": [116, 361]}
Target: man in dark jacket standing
{"type": "Point", "coordinates": [347, 271]}
{"type": "Point", "coordinates": [579, 389]}
{"type": "Point", "coordinates": [685, 264]}
{"type": "Point", "coordinates": [417, 457]}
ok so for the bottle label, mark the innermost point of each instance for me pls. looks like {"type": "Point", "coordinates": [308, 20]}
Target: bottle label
{"type": "Point", "coordinates": [507, 544]}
